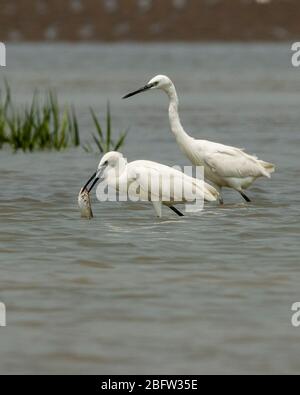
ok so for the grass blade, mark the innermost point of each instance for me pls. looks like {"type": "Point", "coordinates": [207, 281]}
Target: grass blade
{"type": "Point", "coordinates": [108, 128]}
{"type": "Point", "coordinates": [121, 141]}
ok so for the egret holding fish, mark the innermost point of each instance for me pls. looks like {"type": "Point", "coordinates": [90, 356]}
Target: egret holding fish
{"type": "Point", "coordinates": [136, 180]}
{"type": "Point", "coordinates": [224, 166]}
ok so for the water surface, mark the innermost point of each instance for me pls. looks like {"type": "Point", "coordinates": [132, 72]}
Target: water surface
{"type": "Point", "coordinates": [126, 292]}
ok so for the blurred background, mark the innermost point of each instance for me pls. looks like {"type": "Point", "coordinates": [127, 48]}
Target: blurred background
{"type": "Point", "coordinates": [149, 20]}
{"type": "Point", "coordinates": [127, 293]}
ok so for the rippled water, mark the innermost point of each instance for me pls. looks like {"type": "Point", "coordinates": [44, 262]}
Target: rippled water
{"type": "Point", "coordinates": [126, 292]}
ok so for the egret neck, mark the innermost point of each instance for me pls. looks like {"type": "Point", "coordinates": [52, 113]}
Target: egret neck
{"type": "Point", "coordinates": [176, 126]}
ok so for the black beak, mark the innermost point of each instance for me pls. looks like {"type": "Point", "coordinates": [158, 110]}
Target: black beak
{"type": "Point", "coordinates": [144, 89]}
{"type": "Point", "coordinates": [93, 184]}
{"type": "Point", "coordinates": [94, 177]}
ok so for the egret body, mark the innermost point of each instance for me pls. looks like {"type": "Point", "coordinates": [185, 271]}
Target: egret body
{"type": "Point", "coordinates": [224, 166]}
{"type": "Point", "coordinates": [136, 180]}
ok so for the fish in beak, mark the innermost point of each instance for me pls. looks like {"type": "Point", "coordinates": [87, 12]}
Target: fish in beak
{"type": "Point", "coordinates": [84, 203]}
{"type": "Point", "coordinates": [84, 200]}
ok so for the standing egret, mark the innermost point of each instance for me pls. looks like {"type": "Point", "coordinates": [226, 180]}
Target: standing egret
{"type": "Point", "coordinates": [224, 166]}
{"type": "Point", "coordinates": [135, 179]}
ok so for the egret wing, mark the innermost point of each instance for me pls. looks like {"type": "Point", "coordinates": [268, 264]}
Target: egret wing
{"type": "Point", "coordinates": [234, 163]}
{"type": "Point", "coordinates": [163, 183]}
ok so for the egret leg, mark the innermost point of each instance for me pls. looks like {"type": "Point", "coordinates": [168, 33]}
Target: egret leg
{"type": "Point", "coordinates": [221, 200]}
{"type": "Point", "coordinates": [248, 200]}
{"type": "Point", "coordinates": [158, 208]}
{"type": "Point", "coordinates": [219, 189]}
{"type": "Point", "coordinates": [176, 211]}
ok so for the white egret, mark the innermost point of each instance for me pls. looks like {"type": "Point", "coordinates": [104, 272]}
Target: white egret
{"type": "Point", "coordinates": [224, 166]}
{"type": "Point", "coordinates": [135, 179]}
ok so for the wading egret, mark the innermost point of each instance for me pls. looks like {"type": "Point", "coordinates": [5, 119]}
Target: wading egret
{"type": "Point", "coordinates": [150, 181]}
{"type": "Point", "coordinates": [224, 166]}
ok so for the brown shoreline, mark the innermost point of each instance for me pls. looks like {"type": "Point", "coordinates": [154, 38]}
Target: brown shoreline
{"type": "Point", "coordinates": [150, 20]}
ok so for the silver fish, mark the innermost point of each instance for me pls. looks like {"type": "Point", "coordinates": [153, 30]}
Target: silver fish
{"type": "Point", "coordinates": [84, 203]}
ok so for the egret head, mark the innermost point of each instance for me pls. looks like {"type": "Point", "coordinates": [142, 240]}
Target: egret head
{"type": "Point", "coordinates": [110, 161]}
{"type": "Point", "coordinates": [159, 82]}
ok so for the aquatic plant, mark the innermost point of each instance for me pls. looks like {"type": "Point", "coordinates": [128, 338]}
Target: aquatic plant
{"type": "Point", "coordinates": [3, 109]}
{"type": "Point", "coordinates": [42, 126]}
{"type": "Point", "coordinates": [103, 140]}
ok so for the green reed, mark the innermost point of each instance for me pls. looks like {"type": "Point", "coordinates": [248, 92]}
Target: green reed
{"type": "Point", "coordinates": [44, 125]}
{"type": "Point", "coordinates": [41, 126]}
{"type": "Point", "coordinates": [103, 139]}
